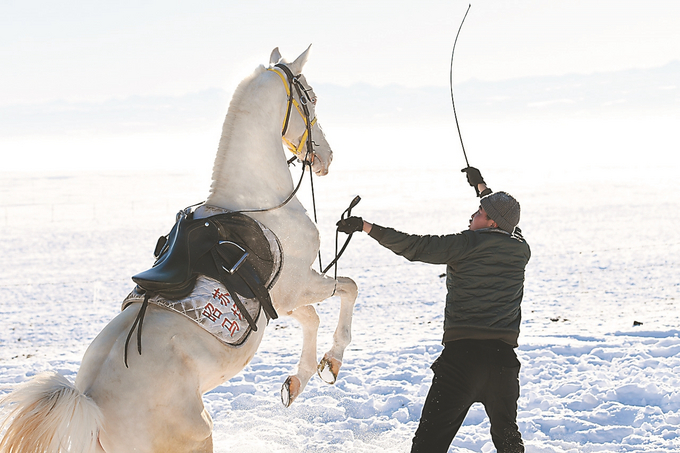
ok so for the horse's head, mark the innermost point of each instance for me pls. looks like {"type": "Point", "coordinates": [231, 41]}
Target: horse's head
{"type": "Point", "coordinates": [302, 132]}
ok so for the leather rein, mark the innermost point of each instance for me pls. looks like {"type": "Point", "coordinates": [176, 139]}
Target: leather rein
{"type": "Point", "coordinates": [292, 82]}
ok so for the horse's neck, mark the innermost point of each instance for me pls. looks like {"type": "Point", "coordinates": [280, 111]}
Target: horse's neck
{"type": "Point", "coordinates": [250, 170]}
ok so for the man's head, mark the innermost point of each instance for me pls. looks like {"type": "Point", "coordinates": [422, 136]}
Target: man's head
{"type": "Point", "coordinates": [501, 211]}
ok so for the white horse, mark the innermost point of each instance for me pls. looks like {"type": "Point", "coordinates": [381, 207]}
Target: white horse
{"type": "Point", "coordinates": [155, 405]}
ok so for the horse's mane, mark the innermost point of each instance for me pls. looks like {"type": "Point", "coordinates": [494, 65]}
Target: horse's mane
{"type": "Point", "coordinates": [229, 123]}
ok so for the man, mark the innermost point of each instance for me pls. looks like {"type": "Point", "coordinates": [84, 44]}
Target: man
{"type": "Point", "coordinates": [485, 283]}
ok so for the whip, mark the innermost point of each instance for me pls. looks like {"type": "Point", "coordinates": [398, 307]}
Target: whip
{"type": "Point", "coordinates": [453, 103]}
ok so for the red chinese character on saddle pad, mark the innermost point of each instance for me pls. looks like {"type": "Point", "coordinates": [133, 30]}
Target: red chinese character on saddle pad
{"type": "Point", "coordinates": [237, 312]}
{"type": "Point", "coordinates": [211, 312]}
{"type": "Point", "coordinates": [231, 326]}
{"type": "Point", "coordinates": [224, 298]}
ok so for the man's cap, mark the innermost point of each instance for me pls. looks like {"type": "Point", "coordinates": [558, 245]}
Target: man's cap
{"type": "Point", "coordinates": [502, 208]}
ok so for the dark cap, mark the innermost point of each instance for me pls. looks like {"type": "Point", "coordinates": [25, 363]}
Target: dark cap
{"type": "Point", "coordinates": [502, 208]}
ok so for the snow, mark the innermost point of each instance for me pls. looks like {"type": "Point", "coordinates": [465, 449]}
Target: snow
{"type": "Point", "coordinates": [600, 345]}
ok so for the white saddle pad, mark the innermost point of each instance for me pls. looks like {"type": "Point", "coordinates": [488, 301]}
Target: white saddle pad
{"type": "Point", "coordinates": [212, 307]}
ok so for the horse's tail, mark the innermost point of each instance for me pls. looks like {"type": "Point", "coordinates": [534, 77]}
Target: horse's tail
{"type": "Point", "coordinates": [48, 414]}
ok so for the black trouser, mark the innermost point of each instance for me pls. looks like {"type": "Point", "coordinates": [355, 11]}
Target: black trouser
{"type": "Point", "coordinates": [467, 372]}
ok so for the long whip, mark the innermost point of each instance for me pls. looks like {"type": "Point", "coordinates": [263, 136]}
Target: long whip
{"type": "Point", "coordinates": [453, 103]}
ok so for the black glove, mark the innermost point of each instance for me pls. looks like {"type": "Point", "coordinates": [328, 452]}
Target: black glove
{"type": "Point", "coordinates": [474, 176]}
{"type": "Point", "coordinates": [350, 225]}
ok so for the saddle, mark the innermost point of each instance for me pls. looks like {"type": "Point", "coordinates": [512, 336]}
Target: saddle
{"type": "Point", "coordinates": [231, 248]}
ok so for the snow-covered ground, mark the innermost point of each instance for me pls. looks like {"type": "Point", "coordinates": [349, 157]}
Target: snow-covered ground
{"type": "Point", "coordinates": [600, 345]}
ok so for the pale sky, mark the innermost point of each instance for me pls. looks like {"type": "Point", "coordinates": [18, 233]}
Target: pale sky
{"type": "Point", "coordinates": [96, 50]}
{"type": "Point", "coordinates": [77, 73]}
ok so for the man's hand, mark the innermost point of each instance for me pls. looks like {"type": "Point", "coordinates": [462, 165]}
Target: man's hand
{"type": "Point", "coordinates": [474, 176]}
{"type": "Point", "coordinates": [350, 225]}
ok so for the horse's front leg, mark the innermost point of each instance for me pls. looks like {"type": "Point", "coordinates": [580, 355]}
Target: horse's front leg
{"type": "Point", "coordinates": [329, 367]}
{"type": "Point", "coordinates": [293, 386]}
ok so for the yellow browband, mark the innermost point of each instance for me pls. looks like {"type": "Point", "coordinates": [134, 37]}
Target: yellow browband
{"type": "Point", "coordinates": [297, 150]}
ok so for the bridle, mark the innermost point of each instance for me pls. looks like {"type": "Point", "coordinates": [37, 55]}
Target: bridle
{"type": "Point", "coordinates": [291, 82]}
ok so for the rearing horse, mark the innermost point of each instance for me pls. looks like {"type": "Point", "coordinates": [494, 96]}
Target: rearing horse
{"type": "Point", "coordinates": [154, 405]}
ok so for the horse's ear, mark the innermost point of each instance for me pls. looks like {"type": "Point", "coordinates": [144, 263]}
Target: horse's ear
{"type": "Point", "coordinates": [275, 57]}
{"type": "Point", "coordinates": [299, 62]}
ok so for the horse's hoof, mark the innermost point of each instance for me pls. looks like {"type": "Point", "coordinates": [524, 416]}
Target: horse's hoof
{"type": "Point", "coordinates": [328, 369]}
{"type": "Point", "coordinates": [290, 390]}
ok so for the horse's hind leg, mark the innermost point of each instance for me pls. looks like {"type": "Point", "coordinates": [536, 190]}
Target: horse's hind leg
{"type": "Point", "coordinates": [329, 367]}
{"type": "Point", "coordinates": [309, 320]}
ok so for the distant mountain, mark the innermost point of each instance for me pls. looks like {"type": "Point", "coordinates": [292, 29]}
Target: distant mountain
{"type": "Point", "coordinates": [631, 92]}
{"type": "Point", "coordinates": [135, 114]}
{"type": "Point", "coordinates": [622, 93]}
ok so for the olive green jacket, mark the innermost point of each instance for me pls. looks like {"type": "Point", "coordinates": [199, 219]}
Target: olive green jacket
{"type": "Point", "coordinates": [484, 278]}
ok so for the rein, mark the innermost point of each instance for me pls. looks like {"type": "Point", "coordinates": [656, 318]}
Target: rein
{"type": "Point", "coordinates": [294, 81]}
{"type": "Point", "coordinates": [347, 211]}
{"type": "Point", "coordinates": [289, 82]}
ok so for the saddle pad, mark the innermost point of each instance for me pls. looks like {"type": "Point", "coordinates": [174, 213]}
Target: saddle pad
{"type": "Point", "coordinates": [210, 306]}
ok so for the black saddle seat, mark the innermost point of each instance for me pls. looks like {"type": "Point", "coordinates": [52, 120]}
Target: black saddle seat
{"type": "Point", "coordinates": [231, 248]}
